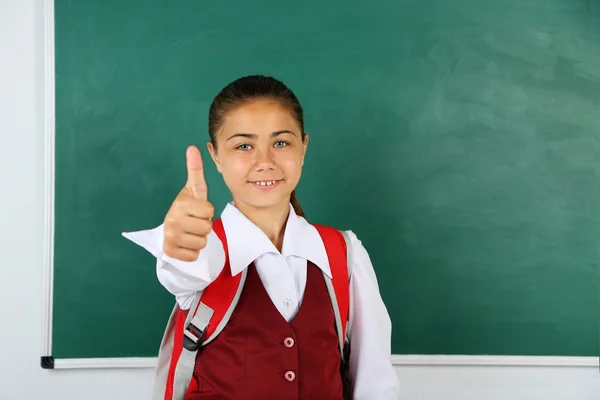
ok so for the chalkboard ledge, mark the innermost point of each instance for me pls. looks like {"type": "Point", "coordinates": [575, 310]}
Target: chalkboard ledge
{"type": "Point", "coordinates": [483, 360]}
{"type": "Point", "coordinates": [94, 363]}
{"type": "Point", "coordinates": [397, 360]}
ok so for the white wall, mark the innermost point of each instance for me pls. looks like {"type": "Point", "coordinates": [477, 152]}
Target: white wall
{"type": "Point", "coordinates": [21, 238]}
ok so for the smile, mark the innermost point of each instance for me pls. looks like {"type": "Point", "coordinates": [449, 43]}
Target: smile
{"type": "Point", "coordinates": [265, 184]}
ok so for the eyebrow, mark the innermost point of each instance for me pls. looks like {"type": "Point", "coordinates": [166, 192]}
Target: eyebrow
{"type": "Point", "coordinates": [254, 136]}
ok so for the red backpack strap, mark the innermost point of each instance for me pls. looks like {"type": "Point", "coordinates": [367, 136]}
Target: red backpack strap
{"type": "Point", "coordinates": [336, 248]}
{"type": "Point", "coordinates": [212, 309]}
{"type": "Point", "coordinates": [172, 343]}
{"type": "Point", "coordinates": [218, 299]}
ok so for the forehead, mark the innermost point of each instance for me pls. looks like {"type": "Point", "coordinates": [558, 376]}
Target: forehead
{"type": "Point", "coordinates": [260, 116]}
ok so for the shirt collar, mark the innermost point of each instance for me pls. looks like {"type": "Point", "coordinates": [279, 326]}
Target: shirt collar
{"type": "Point", "coordinates": [246, 242]}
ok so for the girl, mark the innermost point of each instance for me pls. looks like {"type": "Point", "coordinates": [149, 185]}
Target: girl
{"type": "Point", "coordinates": [277, 335]}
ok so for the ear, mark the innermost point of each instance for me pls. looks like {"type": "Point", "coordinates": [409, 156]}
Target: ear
{"type": "Point", "coordinates": [304, 146]}
{"type": "Point", "coordinates": [213, 154]}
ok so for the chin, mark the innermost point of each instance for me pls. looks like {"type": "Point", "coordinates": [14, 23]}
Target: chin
{"type": "Point", "coordinates": [265, 201]}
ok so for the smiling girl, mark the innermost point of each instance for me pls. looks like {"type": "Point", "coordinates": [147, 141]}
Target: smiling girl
{"type": "Point", "coordinates": [269, 306]}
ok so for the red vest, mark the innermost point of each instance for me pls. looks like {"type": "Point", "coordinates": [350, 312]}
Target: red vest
{"type": "Point", "coordinates": [259, 355]}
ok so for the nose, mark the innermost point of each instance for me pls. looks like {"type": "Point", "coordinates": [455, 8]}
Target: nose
{"type": "Point", "coordinates": [264, 160]}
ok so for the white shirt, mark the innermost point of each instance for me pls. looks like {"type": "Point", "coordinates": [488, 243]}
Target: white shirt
{"type": "Point", "coordinates": [284, 278]}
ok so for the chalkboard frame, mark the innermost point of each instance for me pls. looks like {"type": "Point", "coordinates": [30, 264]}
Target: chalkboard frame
{"type": "Point", "coordinates": [49, 362]}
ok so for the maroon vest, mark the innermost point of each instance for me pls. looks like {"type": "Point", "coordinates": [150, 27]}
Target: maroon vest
{"type": "Point", "coordinates": [259, 355]}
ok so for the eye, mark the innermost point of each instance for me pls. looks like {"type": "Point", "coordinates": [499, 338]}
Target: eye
{"type": "Point", "coordinates": [243, 147]}
{"type": "Point", "coordinates": [281, 143]}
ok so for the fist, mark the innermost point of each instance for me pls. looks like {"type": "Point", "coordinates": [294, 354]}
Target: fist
{"type": "Point", "coordinates": [188, 220]}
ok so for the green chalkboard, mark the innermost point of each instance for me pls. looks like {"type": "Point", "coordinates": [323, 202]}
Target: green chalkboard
{"type": "Point", "coordinates": [460, 140]}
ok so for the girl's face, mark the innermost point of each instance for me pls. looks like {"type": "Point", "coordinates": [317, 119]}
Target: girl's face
{"type": "Point", "coordinates": [260, 152]}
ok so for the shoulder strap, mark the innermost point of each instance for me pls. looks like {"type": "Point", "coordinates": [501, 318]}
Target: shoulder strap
{"type": "Point", "coordinates": [338, 286]}
{"type": "Point", "coordinates": [207, 317]}
{"type": "Point", "coordinates": [168, 355]}
{"type": "Point", "coordinates": [349, 258]}
{"type": "Point", "coordinates": [216, 303]}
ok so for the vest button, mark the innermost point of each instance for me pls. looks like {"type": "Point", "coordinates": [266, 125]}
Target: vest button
{"type": "Point", "coordinates": [288, 342]}
{"type": "Point", "coordinates": [290, 376]}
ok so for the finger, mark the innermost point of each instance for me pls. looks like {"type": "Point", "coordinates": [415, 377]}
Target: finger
{"type": "Point", "coordinates": [174, 228]}
{"type": "Point", "coordinates": [192, 242]}
{"type": "Point", "coordinates": [192, 207]}
{"type": "Point", "coordinates": [200, 209]}
{"type": "Point", "coordinates": [196, 226]}
{"type": "Point", "coordinates": [195, 173]}
{"type": "Point", "coordinates": [182, 254]}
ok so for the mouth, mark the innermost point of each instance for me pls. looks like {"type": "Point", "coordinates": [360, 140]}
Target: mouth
{"type": "Point", "coordinates": [266, 184]}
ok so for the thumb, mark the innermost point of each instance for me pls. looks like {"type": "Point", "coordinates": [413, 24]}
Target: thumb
{"type": "Point", "coordinates": [195, 174]}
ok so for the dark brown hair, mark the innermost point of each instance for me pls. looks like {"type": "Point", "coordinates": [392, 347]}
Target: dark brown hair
{"type": "Point", "coordinates": [249, 88]}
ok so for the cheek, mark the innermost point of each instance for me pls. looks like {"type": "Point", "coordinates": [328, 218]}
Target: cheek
{"type": "Point", "coordinates": [291, 164]}
{"type": "Point", "coordinates": [235, 169]}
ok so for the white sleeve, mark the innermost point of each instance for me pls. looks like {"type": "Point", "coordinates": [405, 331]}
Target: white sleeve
{"type": "Point", "coordinates": [181, 278]}
{"type": "Point", "coordinates": [372, 374]}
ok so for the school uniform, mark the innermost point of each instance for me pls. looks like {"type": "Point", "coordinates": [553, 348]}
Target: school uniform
{"type": "Point", "coordinates": [284, 301]}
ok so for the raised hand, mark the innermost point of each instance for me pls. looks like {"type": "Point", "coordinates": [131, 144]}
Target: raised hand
{"type": "Point", "coordinates": [188, 220]}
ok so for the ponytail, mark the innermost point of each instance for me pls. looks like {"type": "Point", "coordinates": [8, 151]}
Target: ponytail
{"type": "Point", "coordinates": [296, 205]}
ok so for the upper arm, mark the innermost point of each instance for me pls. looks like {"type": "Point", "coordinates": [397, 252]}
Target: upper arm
{"type": "Point", "coordinates": [369, 331]}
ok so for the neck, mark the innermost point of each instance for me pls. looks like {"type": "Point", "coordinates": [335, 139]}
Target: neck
{"type": "Point", "coordinates": [270, 220]}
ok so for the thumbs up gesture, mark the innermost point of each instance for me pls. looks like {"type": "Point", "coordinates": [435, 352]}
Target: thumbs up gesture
{"type": "Point", "coordinates": [188, 221]}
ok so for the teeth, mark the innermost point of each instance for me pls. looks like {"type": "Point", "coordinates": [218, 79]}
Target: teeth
{"type": "Point", "coordinates": [266, 183]}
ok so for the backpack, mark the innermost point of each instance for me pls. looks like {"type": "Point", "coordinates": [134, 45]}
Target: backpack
{"type": "Point", "coordinates": [212, 307]}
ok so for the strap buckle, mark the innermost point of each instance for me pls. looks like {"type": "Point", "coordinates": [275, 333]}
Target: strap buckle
{"type": "Point", "coordinates": [195, 331]}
